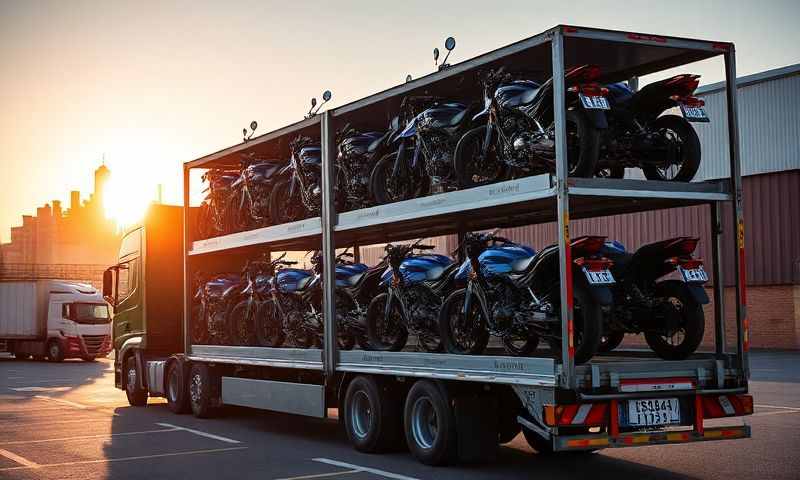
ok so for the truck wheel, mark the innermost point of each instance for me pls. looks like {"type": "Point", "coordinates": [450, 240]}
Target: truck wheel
{"type": "Point", "coordinates": [430, 425]}
{"type": "Point", "coordinates": [177, 398]}
{"type": "Point", "coordinates": [371, 416]}
{"type": "Point", "coordinates": [203, 391]}
{"type": "Point", "coordinates": [137, 396]}
{"type": "Point", "coordinates": [54, 351]}
{"type": "Point", "coordinates": [21, 356]}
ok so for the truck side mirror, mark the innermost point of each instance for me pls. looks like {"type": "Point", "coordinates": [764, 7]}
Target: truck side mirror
{"type": "Point", "coordinates": [108, 285]}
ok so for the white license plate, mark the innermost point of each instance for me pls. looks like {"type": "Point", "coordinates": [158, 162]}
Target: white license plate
{"type": "Point", "coordinates": [599, 277]}
{"type": "Point", "coordinates": [654, 411]}
{"type": "Point", "coordinates": [693, 274]}
{"type": "Point", "coordinates": [594, 102]}
{"type": "Point", "coordinates": [694, 114]}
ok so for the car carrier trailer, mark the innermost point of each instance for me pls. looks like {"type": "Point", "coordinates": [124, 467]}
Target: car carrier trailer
{"type": "Point", "coordinates": [453, 406]}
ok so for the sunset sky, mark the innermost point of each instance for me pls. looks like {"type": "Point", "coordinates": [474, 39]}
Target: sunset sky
{"type": "Point", "coordinates": [154, 84]}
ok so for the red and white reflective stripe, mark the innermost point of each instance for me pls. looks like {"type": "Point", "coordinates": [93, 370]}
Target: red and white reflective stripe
{"type": "Point", "coordinates": [656, 384]}
{"type": "Point", "coordinates": [726, 405]}
{"type": "Point", "coordinates": [583, 412]}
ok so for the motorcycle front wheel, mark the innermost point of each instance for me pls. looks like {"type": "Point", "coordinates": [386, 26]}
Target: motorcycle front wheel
{"type": "Point", "coordinates": [269, 327]}
{"type": "Point", "coordinates": [199, 327]}
{"type": "Point", "coordinates": [284, 208]}
{"type": "Point", "coordinates": [471, 166]}
{"type": "Point", "coordinates": [241, 321]}
{"type": "Point", "coordinates": [388, 188]}
{"type": "Point", "coordinates": [682, 158]}
{"type": "Point", "coordinates": [463, 334]}
{"type": "Point", "coordinates": [385, 333]}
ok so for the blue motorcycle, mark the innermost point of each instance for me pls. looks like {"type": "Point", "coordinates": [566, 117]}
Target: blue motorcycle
{"type": "Point", "coordinates": [246, 301]}
{"type": "Point", "coordinates": [210, 307]}
{"type": "Point", "coordinates": [513, 292]}
{"type": "Point", "coordinates": [415, 286]}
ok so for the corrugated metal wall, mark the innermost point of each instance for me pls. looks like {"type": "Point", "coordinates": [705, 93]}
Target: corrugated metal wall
{"type": "Point", "coordinates": [769, 129]}
{"type": "Point", "coordinates": [772, 230]}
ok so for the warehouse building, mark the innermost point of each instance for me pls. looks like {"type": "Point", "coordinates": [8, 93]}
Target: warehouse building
{"type": "Point", "coordinates": [769, 129]}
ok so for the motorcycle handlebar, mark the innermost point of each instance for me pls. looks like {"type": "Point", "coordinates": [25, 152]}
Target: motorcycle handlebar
{"type": "Point", "coordinates": [425, 247]}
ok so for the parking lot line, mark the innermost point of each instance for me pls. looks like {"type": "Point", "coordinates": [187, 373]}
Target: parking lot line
{"type": "Point", "coordinates": [120, 459]}
{"type": "Point", "coordinates": [321, 475]}
{"type": "Point", "coordinates": [62, 401]}
{"type": "Point", "coordinates": [198, 432]}
{"type": "Point", "coordinates": [16, 458]}
{"type": "Point", "coordinates": [777, 407]}
{"type": "Point", "coordinates": [374, 471]}
{"type": "Point", "coordinates": [83, 437]}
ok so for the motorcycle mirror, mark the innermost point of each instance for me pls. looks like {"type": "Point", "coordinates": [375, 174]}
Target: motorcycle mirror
{"type": "Point", "coordinates": [435, 55]}
{"type": "Point", "coordinates": [326, 95]}
{"type": "Point", "coordinates": [408, 78]}
{"type": "Point", "coordinates": [244, 134]}
{"type": "Point", "coordinates": [450, 43]}
{"type": "Point", "coordinates": [253, 125]}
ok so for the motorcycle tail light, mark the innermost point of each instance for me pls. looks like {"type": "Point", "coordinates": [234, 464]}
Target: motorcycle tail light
{"type": "Point", "coordinates": [586, 73]}
{"type": "Point", "coordinates": [594, 264]}
{"type": "Point", "coordinates": [690, 263]}
{"type": "Point", "coordinates": [593, 90]}
{"type": "Point", "coordinates": [683, 245]}
{"type": "Point", "coordinates": [590, 244]}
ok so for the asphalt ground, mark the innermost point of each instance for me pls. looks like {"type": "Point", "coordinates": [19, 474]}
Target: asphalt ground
{"type": "Point", "coordinates": [67, 421]}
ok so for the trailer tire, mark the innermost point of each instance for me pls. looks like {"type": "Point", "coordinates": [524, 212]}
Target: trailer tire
{"type": "Point", "coordinates": [371, 415]}
{"type": "Point", "coordinates": [203, 391]}
{"type": "Point", "coordinates": [54, 351]}
{"type": "Point", "coordinates": [176, 389]}
{"type": "Point", "coordinates": [137, 396]}
{"type": "Point", "coordinates": [430, 424]}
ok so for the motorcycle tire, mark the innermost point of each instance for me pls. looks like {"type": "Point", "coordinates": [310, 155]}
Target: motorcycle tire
{"type": "Point", "coordinates": [584, 162]}
{"type": "Point", "coordinates": [199, 327]}
{"type": "Point", "coordinates": [241, 324]}
{"type": "Point", "coordinates": [690, 151]}
{"type": "Point", "coordinates": [528, 345]}
{"type": "Point", "coordinates": [396, 340]}
{"type": "Point", "coordinates": [610, 341]}
{"type": "Point", "coordinates": [205, 224]}
{"type": "Point", "coordinates": [464, 161]}
{"type": "Point", "coordinates": [451, 316]}
{"type": "Point", "coordinates": [588, 326]}
{"type": "Point", "coordinates": [282, 208]}
{"type": "Point", "coordinates": [237, 216]}
{"type": "Point", "coordinates": [694, 324]}
{"type": "Point", "coordinates": [269, 328]}
{"type": "Point", "coordinates": [382, 174]}
{"type": "Point", "coordinates": [611, 172]}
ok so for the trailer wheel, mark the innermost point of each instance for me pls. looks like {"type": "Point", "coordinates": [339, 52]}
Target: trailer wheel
{"type": "Point", "coordinates": [137, 396]}
{"type": "Point", "coordinates": [21, 356]}
{"type": "Point", "coordinates": [177, 397]}
{"type": "Point", "coordinates": [371, 415]}
{"type": "Point", "coordinates": [430, 425]}
{"type": "Point", "coordinates": [54, 351]}
{"type": "Point", "coordinates": [203, 391]}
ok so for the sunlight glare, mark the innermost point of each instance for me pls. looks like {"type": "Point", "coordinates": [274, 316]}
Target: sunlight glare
{"type": "Point", "coordinates": [127, 197]}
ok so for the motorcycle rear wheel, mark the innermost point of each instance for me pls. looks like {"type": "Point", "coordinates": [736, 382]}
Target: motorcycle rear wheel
{"type": "Point", "coordinates": [609, 341]}
{"type": "Point", "coordinates": [387, 189]}
{"type": "Point", "coordinates": [588, 323]}
{"type": "Point", "coordinates": [679, 130]}
{"type": "Point", "coordinates": [470, 170]}
{"type": "Point", "coordinates": [241, 322]}
{"type": "Point", "coordinates": [692, 328]}
{"type": "Point", "coordinates": [282, 207]}
{"type": "Point", "coordinates": [583, 152]}
{"type": "Point", "coordinates": [199, 327]}
{"type": "Point", "coordinates": [385, 334]}
{"type": "Point", "coordinates": [269, 327]}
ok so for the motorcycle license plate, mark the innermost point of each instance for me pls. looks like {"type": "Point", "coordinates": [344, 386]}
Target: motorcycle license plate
{"type": "Point", "coordinates": [645, 412]}
{"type": "Point", "coordinates": [693, 274]}
{"type": "Point", "coordinates": [694, 114]}
{"type": "Point", "coordinates": [599, 277]}
{"type": "Point", "coordinates": [594, 102]}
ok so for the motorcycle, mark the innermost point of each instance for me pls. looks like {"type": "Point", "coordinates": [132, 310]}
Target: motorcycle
{"type": "Point", "coordinates": [415, 286]}
{"type": "Point", "coordinates": [514, 293]}
{"type": "Point", "coordinates": [659, 292]}
{"type": "Point", "coordinates": [249, 193]}
{"type": "Point", "coordinates": [213, 219]}
{"type": "Point", "coordinates": [665, 147]}
{"type": "Point", "coordinates": [358, 154]}
{"type": "Point", "coordinates": [252, 292]}
{"type": "Point", "coordinates": [423, 159]}
{"type": "Point", "coordinates": [515, 133]}
{"type": "Point", "coordinates": [210, 307]}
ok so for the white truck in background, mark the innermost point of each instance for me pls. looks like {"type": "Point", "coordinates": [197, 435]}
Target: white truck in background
{"type": "Point", "coordinates": [56, 319]}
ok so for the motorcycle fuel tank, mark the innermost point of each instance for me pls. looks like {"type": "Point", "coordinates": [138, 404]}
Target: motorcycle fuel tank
{"type": "Point", "coordinates": [500, 260]}
{"type": "Point", "coordinates": [292, 279]}
{"type": "Point", "coordinates": [420, 268]}
{"type": "Point", "coordinates": [348, 275]}
{"type": "Point", "coordinates": [441, 116]}
{"type": "Point", "coordinates": [514, 94]}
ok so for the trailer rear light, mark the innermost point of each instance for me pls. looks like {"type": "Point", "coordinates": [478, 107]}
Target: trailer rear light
{"type": "Point", "coordinates": [594, 264]}
{"type": "Point", "coordinates": [718, 406]}
{"type": "Point", "coordinates": [587, 414]}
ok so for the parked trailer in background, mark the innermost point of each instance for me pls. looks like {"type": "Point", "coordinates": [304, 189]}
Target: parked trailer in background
{"type": "Point", "coordinates": [54, 319]}
{"type": "Point", "coordinates": [443, 406]}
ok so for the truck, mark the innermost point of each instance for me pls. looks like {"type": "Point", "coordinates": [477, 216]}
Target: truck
{"type": "Point", "coordinates": [56, 319]}
{"type": "Point", "coordinates": [445, 407]}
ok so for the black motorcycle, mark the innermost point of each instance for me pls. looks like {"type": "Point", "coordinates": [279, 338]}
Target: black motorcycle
{"type": "Point", "coordinates": [514, 293]}
{"type": "Point", "coordinates": [245, 307]}
{"type": "Point", "coordinates": [515, 132]}
{"type": "Point", "coordinates": [358, 154]}
{"type": "Point", "coordinates": [415, 286]}
{"type": "Point", "coordinates": [423, 160]}
{"type": "Point", "coordinates": [669, 311]}
{"type": "Point", "coordinates": [211, 304]}
{"type": "Point", "coordinates": [249, 194]}
{"type": "Point", "coordinates": [213, 218]}
{"type": "Point", "coordinates": [665, 147]}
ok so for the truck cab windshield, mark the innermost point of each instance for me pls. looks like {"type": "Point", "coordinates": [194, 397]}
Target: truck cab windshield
{"type": "Point", "coordinates": [91, 313]}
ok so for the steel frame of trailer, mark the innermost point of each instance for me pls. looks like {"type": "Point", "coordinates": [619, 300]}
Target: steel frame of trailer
{"type": "Point", "coordinates": [584, 197]}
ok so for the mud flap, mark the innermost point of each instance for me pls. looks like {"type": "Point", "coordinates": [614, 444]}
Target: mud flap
{"type": "Point", "coordinates": [597, 118]}
{"type": "Point", "coordinates": [477, 431]}
{"type": "Point", "coordinates": [698, 293]}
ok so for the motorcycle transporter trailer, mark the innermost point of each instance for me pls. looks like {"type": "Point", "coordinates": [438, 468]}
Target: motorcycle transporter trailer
{"type": "Point", "coordinates": [463, 406]}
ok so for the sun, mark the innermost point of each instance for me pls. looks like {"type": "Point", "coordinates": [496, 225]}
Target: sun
{"type": "Point", "coordinates": [127, 198]}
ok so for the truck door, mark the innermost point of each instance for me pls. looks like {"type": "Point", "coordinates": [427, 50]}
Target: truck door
{"type": "Point", "coordinates": [128, 294]}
